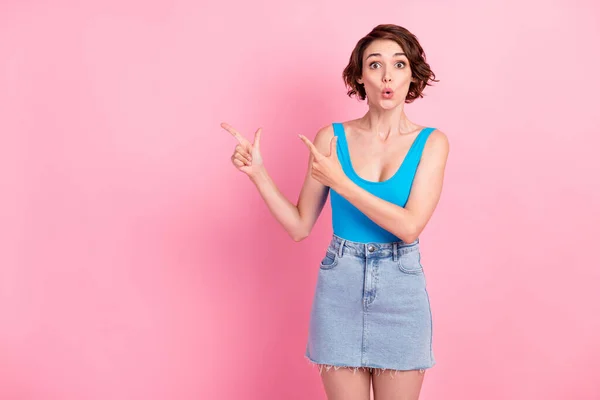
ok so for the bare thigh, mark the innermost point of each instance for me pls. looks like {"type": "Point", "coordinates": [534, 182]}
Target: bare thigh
{"type": "Point", "coordinates": [347, 383]}
{"type": "Point", "coordinates": [397, 385]}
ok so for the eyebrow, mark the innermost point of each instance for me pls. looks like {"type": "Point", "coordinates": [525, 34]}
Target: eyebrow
{"type": "Point", "coordinates": [379, 54]}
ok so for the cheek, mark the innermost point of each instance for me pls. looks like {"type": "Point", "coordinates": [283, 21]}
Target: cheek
{"type": "Point", "coordinates": [407, 76]}
{"type": "Point", "coordinates": [372, 82]}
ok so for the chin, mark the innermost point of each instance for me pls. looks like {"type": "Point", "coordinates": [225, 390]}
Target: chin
{"type": "Point", "coordinates": [388, 104]}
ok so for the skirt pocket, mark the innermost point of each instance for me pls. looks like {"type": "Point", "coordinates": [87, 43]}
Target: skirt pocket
{"type": "Point", "coordinates": [330, 260]}
{"type": "Point", "coordinates": [410, 263]}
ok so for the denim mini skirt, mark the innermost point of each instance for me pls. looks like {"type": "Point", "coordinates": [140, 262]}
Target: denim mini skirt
{"type": "Point", "coordinates": [371, 308]}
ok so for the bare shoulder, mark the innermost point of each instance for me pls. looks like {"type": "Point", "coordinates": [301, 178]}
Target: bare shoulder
{"type": "Point", "coordinates": [323, 139]}
{"type": "Point", "coordinates": [437, 145]}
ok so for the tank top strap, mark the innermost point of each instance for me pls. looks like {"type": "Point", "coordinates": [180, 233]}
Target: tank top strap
{"type": "Point", "coordinates": [416, 150]}
{"type": "Point", "coordinates": [342, 146]}
{"type": "Point", "coordinates": [338, 129]}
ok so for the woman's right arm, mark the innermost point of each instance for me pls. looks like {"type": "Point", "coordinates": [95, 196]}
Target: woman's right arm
{"type": "Point", "coordinates": [297, 220]}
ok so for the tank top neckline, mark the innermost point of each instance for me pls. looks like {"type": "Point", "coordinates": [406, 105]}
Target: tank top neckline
{"type": "Point", "coordinates": [391, 178]}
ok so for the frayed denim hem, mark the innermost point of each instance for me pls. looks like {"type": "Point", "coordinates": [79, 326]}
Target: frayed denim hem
{"type": "Point", "coordinates": [372, 370]}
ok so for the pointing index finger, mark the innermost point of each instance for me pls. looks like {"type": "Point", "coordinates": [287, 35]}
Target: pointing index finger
{"type": "Point", "coordinates": [234, 132]}
{"type": "Point", "coordinates": [310, 146]}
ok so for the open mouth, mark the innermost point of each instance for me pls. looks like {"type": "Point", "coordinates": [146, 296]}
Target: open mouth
{"type": "Point", "coordinates": [387, 93]}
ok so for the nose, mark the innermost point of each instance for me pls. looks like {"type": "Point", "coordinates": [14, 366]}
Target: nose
{"type": "Point", "coordinates": [387, 77]}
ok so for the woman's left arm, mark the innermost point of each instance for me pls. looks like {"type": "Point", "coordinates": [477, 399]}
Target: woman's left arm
{"type": "Point", "coordinates": [407, 222]}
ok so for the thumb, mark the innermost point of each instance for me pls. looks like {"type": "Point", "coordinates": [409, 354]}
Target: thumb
{"type": "Point", "coordinates": [256, 144]}
{"type": "Point", "coordinates": [333, 147]}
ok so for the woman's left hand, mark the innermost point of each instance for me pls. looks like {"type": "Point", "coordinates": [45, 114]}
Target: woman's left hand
{"type": "Point", "coordinates": [326, 169]}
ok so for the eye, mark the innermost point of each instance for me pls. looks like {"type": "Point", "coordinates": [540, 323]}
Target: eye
{"type": "Point", "coordinates": [373, 64]}
{"type": "Point", "coordinates": [401, 62]}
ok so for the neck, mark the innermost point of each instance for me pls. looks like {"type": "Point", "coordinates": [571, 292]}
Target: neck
{"type": "Point", "coordinates": [387, 122]}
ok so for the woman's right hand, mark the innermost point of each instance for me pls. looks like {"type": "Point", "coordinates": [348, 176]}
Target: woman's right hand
{"type": "Point", "coordinates": [246, 156]}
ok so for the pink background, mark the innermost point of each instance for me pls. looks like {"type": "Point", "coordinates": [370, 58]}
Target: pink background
{"type": "Point", "coordinates": [137, 263]}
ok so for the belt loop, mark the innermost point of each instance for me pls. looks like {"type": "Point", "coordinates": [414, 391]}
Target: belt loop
{"type": "Point", "coordinates": [341, 249]}
{"type": "Point", "coordinates": [395, 246]}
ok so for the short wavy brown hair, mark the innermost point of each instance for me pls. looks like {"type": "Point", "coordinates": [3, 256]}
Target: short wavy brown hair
{"type": "Point", "coordinates": [414, 52]}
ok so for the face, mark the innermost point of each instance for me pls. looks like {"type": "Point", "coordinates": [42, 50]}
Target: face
{"type": "Point", "coordinates": [386, 74]}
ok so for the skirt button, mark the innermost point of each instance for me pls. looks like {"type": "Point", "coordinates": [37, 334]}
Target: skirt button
{"type": "Point", "coordinates": [371, 248]}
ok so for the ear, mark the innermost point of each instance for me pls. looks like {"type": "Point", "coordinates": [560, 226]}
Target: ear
{"type": "Point", "coordinates": [359, 81]}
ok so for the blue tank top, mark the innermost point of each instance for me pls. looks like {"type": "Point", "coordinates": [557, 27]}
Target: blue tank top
{"type": "Point", "coordinates": [348, 221]}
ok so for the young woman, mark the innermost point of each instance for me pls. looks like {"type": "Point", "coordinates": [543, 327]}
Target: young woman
{"type": "Point", "coordinates": [371, 309]}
